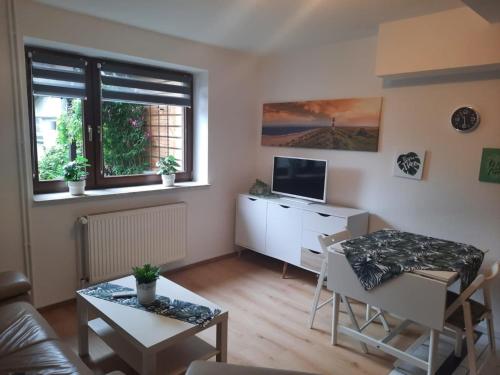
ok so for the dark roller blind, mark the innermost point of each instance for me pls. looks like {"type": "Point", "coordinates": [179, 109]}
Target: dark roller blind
{"type": "Point", "coordinates": [145, 85]}
{"type": "Point", "coordinates": [57, 75]}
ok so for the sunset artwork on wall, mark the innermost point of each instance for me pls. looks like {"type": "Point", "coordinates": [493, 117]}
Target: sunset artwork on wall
{"type": "Point", "coordinates": [337, 124]}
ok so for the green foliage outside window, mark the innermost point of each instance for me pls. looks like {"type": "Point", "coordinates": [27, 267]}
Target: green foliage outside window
{"type": "Point", "coordinates": [125, 140]}
{"type": "Point", "coordinates": [69, 131]}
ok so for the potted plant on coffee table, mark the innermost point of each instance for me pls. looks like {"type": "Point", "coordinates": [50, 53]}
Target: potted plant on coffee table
{"type": "Point", "coordinates": [75, 174]}
{"type": "Point", "coordinates": [145, 278]}
{"type": "Point", "coordinates": [167, 167]}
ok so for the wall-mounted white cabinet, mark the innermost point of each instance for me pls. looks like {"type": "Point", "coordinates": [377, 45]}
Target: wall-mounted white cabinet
{"type": "Point", "coordinates": [288, 230]}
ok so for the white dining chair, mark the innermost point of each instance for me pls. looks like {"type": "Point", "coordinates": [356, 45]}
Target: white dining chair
{"type": "Point", "coordinates": [326, 242]}
{"type": "Point", "coordinates": [463, 314]}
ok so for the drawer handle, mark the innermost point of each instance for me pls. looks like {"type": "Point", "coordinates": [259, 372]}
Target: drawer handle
{"type": "Point", "coordinates": [252, 199]}
{"type": "Point", "coordinates": [324, 215]}
{"type": "Point", "coordinates": [282, 205]}
{"type": "Point", "coordinates": [314, 252]}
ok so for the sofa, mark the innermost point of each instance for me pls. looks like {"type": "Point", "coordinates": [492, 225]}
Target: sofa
{"type": "Point", "coordinates": [28, 345]}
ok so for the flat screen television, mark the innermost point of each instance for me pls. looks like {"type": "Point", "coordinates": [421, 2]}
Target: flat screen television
{"type": "Point", "coordinates": [300, 178]}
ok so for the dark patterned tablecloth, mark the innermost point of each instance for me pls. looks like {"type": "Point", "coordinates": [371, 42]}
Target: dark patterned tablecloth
{"type": "Point", "coordinates": [181, 310]}
{"type": "Point", "coordinates": [382, 255]}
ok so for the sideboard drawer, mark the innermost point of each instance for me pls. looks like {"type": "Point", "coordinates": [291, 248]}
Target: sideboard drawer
{"type": "Point", "coordinates": [323, 223]}
{"type": "Point", "coordinates": [310, 240]}
{"type": "Point", "coordinates": [311, 260]}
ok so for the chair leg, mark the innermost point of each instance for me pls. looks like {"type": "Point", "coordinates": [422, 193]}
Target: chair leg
{"type": "Point", "coordinates": [317, 292]}
{"type": "Point", "coordinates": [469, 336]}
{"type": "Point", "coordinates": [368, 312]}
{"type": "Point", "coordinates": [383, 320]}
{"type": "Point", "coordinates": [433, 350]}
{"type": "Point", "coordinates": [335, 317]}
{"type": "Point", "coordinates": [354, 322]}
{"type": "Point", "coordinates": [458, 343]}
{"type": "Point", "coordinates": [491, 334]}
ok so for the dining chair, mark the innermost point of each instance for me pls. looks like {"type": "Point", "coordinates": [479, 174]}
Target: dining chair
{"type": "Point", "coordinates": [463, 314]}
{"type": "Point", "coordinates": [326, 242]}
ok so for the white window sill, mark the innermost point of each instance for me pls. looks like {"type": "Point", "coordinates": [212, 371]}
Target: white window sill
{"type": "Point", "coordinates": [40, 199]}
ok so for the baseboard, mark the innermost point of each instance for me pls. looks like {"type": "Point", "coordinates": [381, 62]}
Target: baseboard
{"type": "Point", "coordinates": [200, 263]}
{"type": "Point", "coordinates": [57, 305]}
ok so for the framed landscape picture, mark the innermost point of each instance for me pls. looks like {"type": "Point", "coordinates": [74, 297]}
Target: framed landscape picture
{"type": "Point", "coordinates": [490, 165]}
{"type": "Point", "coordinates": [337, 124]}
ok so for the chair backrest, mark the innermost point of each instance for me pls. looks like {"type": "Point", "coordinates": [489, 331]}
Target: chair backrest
{"type": "Point", "coordinates": [327, 241]}
{"type": "Point", "coordinates": [494, 270]}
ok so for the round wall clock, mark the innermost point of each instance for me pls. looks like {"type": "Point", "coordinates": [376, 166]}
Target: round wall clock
{"type": "Point", "coordinates": [465, 119]}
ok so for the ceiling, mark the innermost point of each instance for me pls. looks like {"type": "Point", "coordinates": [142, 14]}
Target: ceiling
{"type": "Point", "coordinates": [258, 26]}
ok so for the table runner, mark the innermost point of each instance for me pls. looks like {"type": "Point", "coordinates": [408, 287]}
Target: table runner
{"type": "Point", "coordinates": [382, 255]}
{"type": "Point", "coordinates": [180, 310]}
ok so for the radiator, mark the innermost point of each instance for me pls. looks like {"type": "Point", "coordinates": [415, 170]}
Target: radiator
{"type": "Point", "coordinates": [115, 242]}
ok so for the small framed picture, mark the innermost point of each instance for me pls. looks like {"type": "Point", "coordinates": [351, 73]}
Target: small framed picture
{"type": "Point", "coordinates": [490, 165]}
{"type": "Point", "coordinates": [409, 164]}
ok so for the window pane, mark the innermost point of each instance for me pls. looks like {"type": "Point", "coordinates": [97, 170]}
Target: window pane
{"type": "Point", "coordinates": [58, 126]}
{"type": "Point", "coordinates": [135, 136]}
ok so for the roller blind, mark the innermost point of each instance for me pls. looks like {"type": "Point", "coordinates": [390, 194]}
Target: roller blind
{"type": "Point", "coordinates": [57, 75]}
{"type": "Point", "coordinates": [145, 85]}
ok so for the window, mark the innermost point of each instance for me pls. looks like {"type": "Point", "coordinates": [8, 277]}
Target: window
{"type": "Point", "coordinates": [121, 117]}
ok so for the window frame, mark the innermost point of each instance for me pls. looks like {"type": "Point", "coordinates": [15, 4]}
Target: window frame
{"type": "Point", "coordinates": [91, 118]}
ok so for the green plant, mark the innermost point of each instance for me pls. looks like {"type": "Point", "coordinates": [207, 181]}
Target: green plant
{"type": "Point", "coordinates": [146, 274]}
{"type": "Point", "coordinates": [167, 165]}
{"type": "Point", "coordinates": [75, 170]}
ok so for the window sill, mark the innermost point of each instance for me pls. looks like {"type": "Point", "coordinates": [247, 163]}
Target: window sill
{"type": "Point", "coordinates": [41, 199]}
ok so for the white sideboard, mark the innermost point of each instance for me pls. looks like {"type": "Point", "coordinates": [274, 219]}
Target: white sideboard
{"type": "Point", "coordinates": [288, 230]}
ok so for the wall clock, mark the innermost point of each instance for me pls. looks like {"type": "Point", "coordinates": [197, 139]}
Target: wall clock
{"type": "Point", "coordinates": [465, 119]}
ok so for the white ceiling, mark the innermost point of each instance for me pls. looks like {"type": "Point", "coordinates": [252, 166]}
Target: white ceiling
{"type": "Point", "coordinates": [259, 26]}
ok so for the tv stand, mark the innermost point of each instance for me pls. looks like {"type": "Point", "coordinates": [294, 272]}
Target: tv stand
{"type": "Point", "coordinates": [286, 229]}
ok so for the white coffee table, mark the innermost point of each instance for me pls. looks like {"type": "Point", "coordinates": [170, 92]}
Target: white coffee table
{"type": "Point", "coordinates": [148, 342]}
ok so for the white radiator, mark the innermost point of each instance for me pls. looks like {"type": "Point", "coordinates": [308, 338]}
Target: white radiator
{"type": "Point", "coordinates": [115, 242]}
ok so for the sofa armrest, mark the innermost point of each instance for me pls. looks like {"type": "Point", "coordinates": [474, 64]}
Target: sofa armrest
{"type": "Point", "coordinates": [13, 284]}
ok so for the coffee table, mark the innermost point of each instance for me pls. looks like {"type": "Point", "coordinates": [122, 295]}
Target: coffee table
{"type": "Point", "coordinates": [148, 342]}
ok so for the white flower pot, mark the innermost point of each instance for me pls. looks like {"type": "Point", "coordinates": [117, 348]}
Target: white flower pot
{"type": "Point", "coordinates": [168, 179]}
{"type": "Point", "coordinates": [146, 293]}
{"type": "Point", "coordinates": [76, 187]}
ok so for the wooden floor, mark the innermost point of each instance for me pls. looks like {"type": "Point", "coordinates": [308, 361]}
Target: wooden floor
{"type": "Point", "coordinates": [267, 320]}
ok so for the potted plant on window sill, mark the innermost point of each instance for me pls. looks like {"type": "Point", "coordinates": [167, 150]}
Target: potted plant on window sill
{"type": "Point", "coordinates": [167, 167]}
{"type": "Point", "coordinates": [75, 174]}
{"type": "Point", "coordinates": [145, 278]}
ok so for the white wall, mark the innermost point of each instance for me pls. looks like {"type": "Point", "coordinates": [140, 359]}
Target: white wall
{"type": "Point", "coordinates": [449, 202]}
{"type": "Point", "coordinates": [231, 140]}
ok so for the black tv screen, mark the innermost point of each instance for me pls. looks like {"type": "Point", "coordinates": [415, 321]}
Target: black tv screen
{"type": "Point", "coordinates": [302, 178]}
